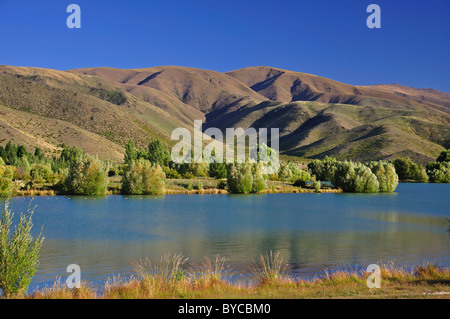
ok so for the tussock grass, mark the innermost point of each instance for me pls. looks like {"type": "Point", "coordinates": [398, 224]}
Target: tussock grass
{"type": "Point", "coordinates": [269, 269]}
{"type": "Point", "coordinates": [171, 276]}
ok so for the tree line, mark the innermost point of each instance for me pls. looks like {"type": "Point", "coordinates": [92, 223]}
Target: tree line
{"type": "Point", "coordinates": [144, 172]}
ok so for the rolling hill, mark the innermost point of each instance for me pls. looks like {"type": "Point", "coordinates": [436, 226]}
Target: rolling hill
{"type": "Point", "coordinates": [100, 109]}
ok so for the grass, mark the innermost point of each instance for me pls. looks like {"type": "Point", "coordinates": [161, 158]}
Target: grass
{"type": "Point", "coordinates": [173, 277]}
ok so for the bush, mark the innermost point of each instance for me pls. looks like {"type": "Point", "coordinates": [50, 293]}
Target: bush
{"type": "Point", "coordinates": [302, 178]}
{"type": "Point", "coordinates": [439, 172]}
{"type": "Point", "coordinates": [41, 172]}
{"type": "Point", "coordinates": [171, 172]}
{"type": "Point", "coordinates": [87, 176]}
{"type": "Point", "coordinates": [354, 178]}
{"type": "Point", "coordinates": [324, 170]}
{"type": "Point", "coordinates": [5, 187]}
{"type": "Point", "coordinates": [444, 156]}
{"type": "Point", "coordinates": [285, 172]}
{"type": "Point", "coordinates": [317, 186]}
{"type": "Point", "coordinates": [19, 253]}
{"type": "Point", "coordinates": [143, 178]}
{"type": "Point", "coordinates": [218, 170]}
{"type": "Point", "coordinates": [407, 170]}
{"type": "Point", "coordinates": [246, 178]}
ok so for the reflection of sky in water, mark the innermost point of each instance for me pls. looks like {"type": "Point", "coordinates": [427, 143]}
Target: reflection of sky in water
{"type": "Point", "coordinates": [311, 231]}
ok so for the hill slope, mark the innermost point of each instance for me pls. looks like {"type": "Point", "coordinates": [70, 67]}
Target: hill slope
{"type": "Point", "coordinates": [99, 109]}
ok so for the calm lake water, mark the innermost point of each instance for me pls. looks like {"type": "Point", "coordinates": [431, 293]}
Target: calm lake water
{"type": "Point", "coordinates": [312, 232]}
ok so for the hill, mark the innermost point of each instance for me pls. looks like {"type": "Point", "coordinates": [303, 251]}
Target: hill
{"type": "Point", "coordinates": [100, 109]}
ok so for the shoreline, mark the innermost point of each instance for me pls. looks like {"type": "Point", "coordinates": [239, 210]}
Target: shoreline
{"type": "Point", "coordinates": [206, 191]}
{"type": "Point", "coordinates": [426, 281]}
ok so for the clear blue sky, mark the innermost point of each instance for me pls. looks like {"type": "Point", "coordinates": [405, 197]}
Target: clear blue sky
{"type": "Point", "coordinates": [326, 38]}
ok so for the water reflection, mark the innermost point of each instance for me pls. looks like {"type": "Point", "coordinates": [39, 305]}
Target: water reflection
{"type": "Point", "coordinates": [105, 235]}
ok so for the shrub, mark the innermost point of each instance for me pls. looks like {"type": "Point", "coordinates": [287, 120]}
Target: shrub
{"type": "Point", "coordinates": [218, 170]}
{"type": "Point", "coordinates": [439, 172]}
{"type": "Point", "coordinates": [444, 156]}
{"type": "Point", "coordinates": [285, 172]}
{"type": "Point", "coordinates": [302, 178]}
{"type": "Point", "coordinates": [87, 176]}
{"type": "Point", "coordinates": [317, 186]}
{"type": "Point", "coordinates": [356, 178]}
{"type": "Point", "coordinates": [41, 172]}
{"type": "Point", "coordinates": [240, 178]}
{"type": "Point", "coordinates": [171, 172]}
{"type": "Point", "coordinates": [324, 170]}
{"type": "Point", "coordinates": [19, 253]}
{"type": "Point", "coordinates": [243, 178]}
{"type": "Point", "coordinates": [143, 178]}
{"type": "Point", "coordinates": [407, 170]}
{"type": "Point", "coordinates": [5, 187]}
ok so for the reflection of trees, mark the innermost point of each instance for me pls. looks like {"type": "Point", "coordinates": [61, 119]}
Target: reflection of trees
{"type": "Point", "coordinates": [448, 227]}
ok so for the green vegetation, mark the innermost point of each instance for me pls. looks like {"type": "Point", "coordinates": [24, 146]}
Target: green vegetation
{"type": "Point", "coordinates": [77, 173]}
{"type": "Point", "coordinates": [19, 253]}
{"type": "Point", "coordinates": [143, 178]}
{"type": "Point", "coordinates": [244, 178]}
{"type": "Point", "coordinates": [87, 176]}
{"type": "Point", "coordinates": [439, 172]}
{"type": "Point", "coordinates": [173, 276]}
{"type": "Point", "coordinates": [407, 170]}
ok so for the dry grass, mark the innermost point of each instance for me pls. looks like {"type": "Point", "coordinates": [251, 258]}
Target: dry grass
{"type": "Point", "coordinates": [170, 276]}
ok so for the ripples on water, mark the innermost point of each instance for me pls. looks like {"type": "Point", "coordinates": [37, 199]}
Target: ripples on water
{"type": "Point", "coordinates": [312, 232]}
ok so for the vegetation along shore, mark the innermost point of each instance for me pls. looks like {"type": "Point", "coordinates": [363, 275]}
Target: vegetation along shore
{"type": "Point", "coordinates": [151, 172]}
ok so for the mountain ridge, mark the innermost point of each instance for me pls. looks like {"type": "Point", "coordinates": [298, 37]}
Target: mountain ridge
{"type": "Point", "coordinates": [316, 116]}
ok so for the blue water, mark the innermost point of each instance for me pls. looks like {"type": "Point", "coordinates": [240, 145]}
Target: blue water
{"type": "Point", "coordinates": [312, 232]}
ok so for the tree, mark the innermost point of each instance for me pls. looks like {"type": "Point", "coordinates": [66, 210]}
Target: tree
{"type": "Point", "coordinates": [386, 175]}
{"type": "Point", "coordinates": [323, 169]}
{"type": "Point", "coordinates": [354, 178]}
{"type": "Point", "coordinates": [157, 153]}
{"type": "Point", "coordinates": [407, 170]}
{"type": "Point", "coordinates": [444, 156]}
{"type": "Point", "coordinates": [143, 178]}
{"type": "Point", "coordinates": [130, 152]}
{"type": "Point", "coordinates": [87, 176]}
{"type": "Point", "coordinates": [243, 178]}
{"type": "Point", "coordinates": [5, 187]}
{"type": "Point", "coordinates": [218, 170]}
{"type": "Point", "coordinates": [285, 172]}
{"type": "Point", "coordinates": [19, 253]}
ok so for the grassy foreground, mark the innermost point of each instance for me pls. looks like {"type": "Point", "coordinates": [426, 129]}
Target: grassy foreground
{"type": "Point", "coordinates": [165, 278]}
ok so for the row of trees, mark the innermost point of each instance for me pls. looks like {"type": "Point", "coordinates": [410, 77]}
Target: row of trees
{"type": "Point", "coordinates": [356, 177]}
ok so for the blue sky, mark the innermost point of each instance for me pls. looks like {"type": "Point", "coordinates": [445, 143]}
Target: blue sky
{"type": "Point", "coordinates": [326, 38]}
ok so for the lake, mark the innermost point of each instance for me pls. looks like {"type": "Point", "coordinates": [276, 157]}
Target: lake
{"type": "Point", "coordinates": [312, 232]}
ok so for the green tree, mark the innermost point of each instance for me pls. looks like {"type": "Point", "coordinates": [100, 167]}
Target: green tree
{"type": "Point", "coordinates": [5, 186]}
{"type": "Point", "coordinates": [444, 156]}
{"type": "Point", "coordinates": [218, 170]}
{"type": "Point", "coordinates": [386, 175]}
{"type": "Point", "coordinates": [407, 170]}
{"type": "Point", "coordinates": [143, 178]}
{"type": "Point", "coordinates": [243, 178]}
{"type": "Point", "coordinates": [130, 152]}
{"type": "Point", "coordinates": [19, 253]}
{"type": "Point", "coordinates": [323, 169]}
{"type": "Point", "coordinates": [157, 153]}
{"type": "Point", "coordinates": [87, 176]}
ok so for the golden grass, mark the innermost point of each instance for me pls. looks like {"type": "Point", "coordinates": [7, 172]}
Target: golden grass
{"type": "Point", "coordinates": [171, 277]}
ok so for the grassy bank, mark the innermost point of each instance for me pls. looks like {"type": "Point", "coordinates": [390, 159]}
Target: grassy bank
{"type": "Point", "coordinates": [171, 277]}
